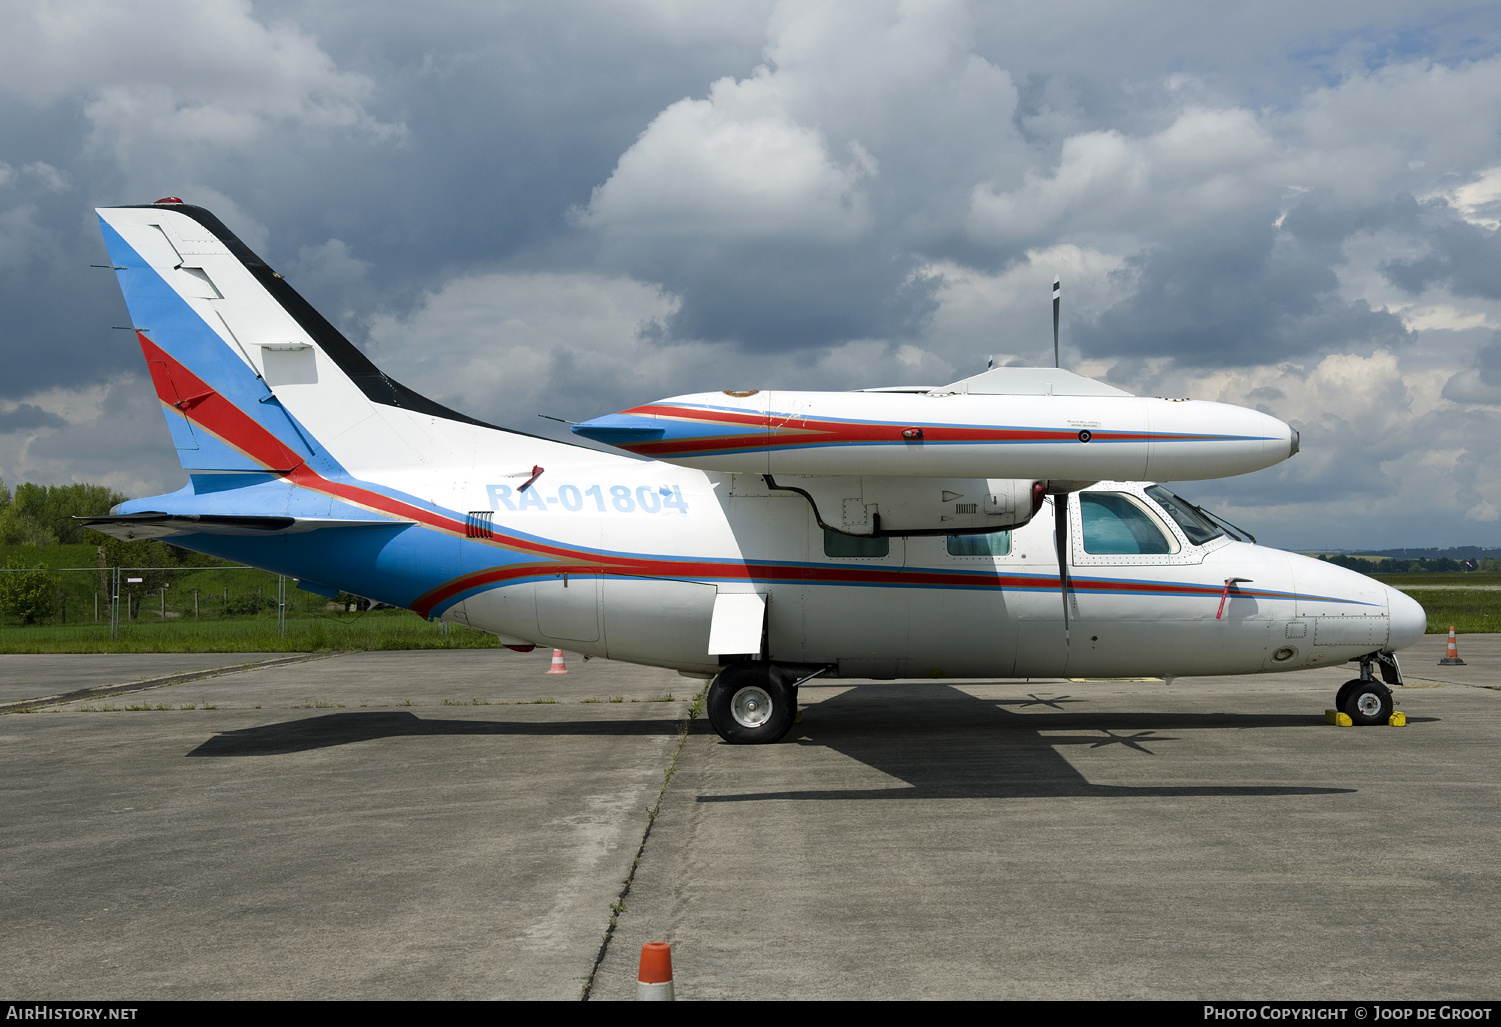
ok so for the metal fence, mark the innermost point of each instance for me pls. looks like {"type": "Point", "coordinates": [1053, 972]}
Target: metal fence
{"type": "Point", "coordinates": [114, 602]}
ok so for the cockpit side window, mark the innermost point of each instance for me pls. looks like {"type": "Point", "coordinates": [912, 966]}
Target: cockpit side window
{"type": "Point", "coordinates": [1114, 525]}
{"type": "Point", "coordinates": [1195, 525]}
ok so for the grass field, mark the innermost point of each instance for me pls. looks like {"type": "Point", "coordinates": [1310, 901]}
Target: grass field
{"type": "Point", "coordinates": [1469, 612]}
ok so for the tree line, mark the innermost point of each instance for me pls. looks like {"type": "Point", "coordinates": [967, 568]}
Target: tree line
{"type": "Point", "coordinates": [1426, 565]}
{"type": "Point", "coordinates": [44, 515]}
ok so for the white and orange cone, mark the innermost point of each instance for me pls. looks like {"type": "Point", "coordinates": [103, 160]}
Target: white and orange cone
{"type": "Point", "coordinates": [654, 981]}
{"type": "Point", "coordinates": [1451, 657]}
{"type": "Point", "coordinates": [558, 666]}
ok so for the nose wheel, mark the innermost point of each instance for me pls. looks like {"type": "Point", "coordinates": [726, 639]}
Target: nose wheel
{"type": "Point", "coordinates": [751, 703]}
{"type": "Point", "coordinates": [1365, 701]}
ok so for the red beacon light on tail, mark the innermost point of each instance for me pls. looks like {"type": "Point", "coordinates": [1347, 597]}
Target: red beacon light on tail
{"type": "Point", "coordinates": [170, 199]}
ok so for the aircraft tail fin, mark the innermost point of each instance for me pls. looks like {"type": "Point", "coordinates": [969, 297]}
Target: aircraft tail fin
{"type": "Point", "coordinates": [250, 376]}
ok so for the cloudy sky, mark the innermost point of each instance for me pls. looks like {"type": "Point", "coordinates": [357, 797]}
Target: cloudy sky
{"type": "Point", "coordinates": [569, 208]}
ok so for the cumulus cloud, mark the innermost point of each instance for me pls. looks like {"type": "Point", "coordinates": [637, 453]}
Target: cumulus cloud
{"type": "Point", "coordinates": [1105, 181]}
{"type": "Point", "coordinates": [1482, 383]}
{"type": "Point", "coordinates": [1008, 314]}
{"type": "Point", "coordinates": [785, 206]}
{"type": "Point", "coordinates": [1477, 201]}
{"type": "Point", "coordinates": [571, 209]}
{"type": "Point", "coordinates": [27, 416]}
{"type": "Point", "coordinates": [1234, 220]}
{"type": "Point", "coordinates": [736, 164]}
{"type": "Point", "coordinates": [170, 72]}
{"type": "Point", "coordinates": [110, 433]}
{"type": "Point", "coordinates": [507, 347]}
{"type": "Point", "coordinates": [1386, 455]}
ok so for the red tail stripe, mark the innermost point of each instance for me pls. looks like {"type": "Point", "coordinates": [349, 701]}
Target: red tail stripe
{"type": "Point", "coordinates": [205, 406]}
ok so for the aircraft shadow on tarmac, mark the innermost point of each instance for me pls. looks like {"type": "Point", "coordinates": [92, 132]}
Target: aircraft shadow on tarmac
{"type": "Point", "coordinates": [328, 730]}
{"type": "Point", "coordinates": [951, 745]}
{"type": "Point", "coordinates": [943, 742]}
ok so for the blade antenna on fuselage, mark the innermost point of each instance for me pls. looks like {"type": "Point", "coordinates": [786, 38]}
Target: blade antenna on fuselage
{"type": "Point", "coordinates": [1060, 537]}
{"type": "Point", "coordinates": [1057, 294]}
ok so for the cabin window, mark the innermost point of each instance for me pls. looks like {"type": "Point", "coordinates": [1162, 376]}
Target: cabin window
{"type": "Point", "coordinates": [992, 543]}
{"type": "Point", "coordinates": [837, 543]}
{"type": "Point", "coordinates": [1114, 525]}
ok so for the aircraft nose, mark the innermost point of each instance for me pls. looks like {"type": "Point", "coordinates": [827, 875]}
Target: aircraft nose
{"type": "Point", "coordinates": [1409, 621]}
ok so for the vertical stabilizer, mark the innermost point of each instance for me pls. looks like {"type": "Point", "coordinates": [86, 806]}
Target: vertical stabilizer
{"type": "Point", "coordinates": [232, 348]}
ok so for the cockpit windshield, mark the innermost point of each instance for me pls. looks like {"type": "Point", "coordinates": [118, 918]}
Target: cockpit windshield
{"type": "Point", "coordinates": [1197, 523]}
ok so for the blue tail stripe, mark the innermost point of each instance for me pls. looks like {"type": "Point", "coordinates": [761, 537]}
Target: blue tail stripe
{"type": "Point", "coordinates": [172, 323]}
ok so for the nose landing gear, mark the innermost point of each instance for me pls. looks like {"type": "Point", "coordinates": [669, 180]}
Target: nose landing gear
{"type": "Point", "coordinates": [1366, 700]}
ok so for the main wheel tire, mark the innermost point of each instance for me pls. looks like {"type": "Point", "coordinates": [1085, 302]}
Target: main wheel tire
{"type": "Point", "coordinates": [1371, 703]}
{"type": "Point", "coordinates": [1343, 695]}
{"type": "Point", "coordinates": [751, 704]}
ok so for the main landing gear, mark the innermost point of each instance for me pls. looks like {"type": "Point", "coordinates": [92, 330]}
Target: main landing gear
{"type": "Point", "coordinates": [752, 702]}
{"type": "Point", "coordinates": [1366, 700]}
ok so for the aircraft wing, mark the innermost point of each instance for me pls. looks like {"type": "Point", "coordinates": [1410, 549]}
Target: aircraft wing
{"type": "Point", "coordinates": [155, 524]}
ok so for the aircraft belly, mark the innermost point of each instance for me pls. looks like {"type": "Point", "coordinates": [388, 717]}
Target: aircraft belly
{"type": "Point", "coordinates": [1127, 635]}
{"type": "Point", "coordinates": [509, 612]}
{"type": "Point", "coordinates": [551, 600]}
{"type": "Point", "coordinates": [786, 631]}
{"type": "Point", "coordinates": [658, 622]}
{"type": "Point", "coordinates": [959, 633]}
{"type": "Point", "coordinates": [862, 630]}
{"type": "Point", "coordinates": [1154, 648]}
{"type": "Point", "coordinates": [567, 608]}
{"type": "Point", "coordinates": [1040, 651]}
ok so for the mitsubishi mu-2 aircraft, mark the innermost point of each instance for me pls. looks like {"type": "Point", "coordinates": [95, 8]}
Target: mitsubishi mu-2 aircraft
{"type": "Point", "coordinates": [1002, 526]}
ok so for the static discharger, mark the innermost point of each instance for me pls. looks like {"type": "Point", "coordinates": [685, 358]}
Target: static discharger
{"type": "Point", "coordinates": [654, 981]}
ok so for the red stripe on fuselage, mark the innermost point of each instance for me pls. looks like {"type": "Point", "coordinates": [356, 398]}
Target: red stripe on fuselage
{"type": "Point", "coordinates": [229, 423]}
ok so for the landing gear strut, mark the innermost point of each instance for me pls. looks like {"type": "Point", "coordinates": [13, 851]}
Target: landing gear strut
{"type": "Point", "coordinates": [1366, 700]}
{"type": "Point", "coordinates": [752, 702]}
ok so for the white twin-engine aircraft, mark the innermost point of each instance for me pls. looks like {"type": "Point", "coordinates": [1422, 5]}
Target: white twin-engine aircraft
{"type": "Point", "coordinates": [996, 527]}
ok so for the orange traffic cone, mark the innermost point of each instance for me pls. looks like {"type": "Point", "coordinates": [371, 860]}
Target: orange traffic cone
{"type": "Point", "coordinates": [1451, 658]}
{"type": "Point", "coordinates": [654, 981]}
{"type": "Point", "coordinates": [558, 666]}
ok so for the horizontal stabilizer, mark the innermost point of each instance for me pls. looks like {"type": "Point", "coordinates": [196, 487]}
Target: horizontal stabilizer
{"type": "Point", "coordinates": [620, 429]}
{"type": "Point", "coordinates": [155, 524]}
